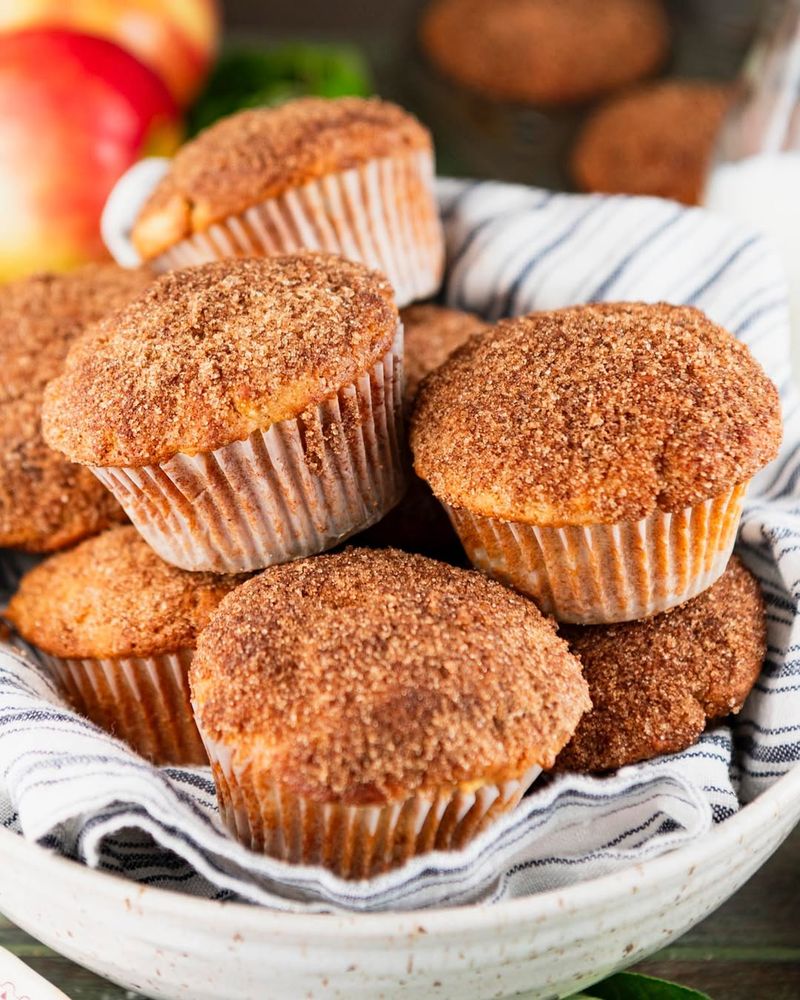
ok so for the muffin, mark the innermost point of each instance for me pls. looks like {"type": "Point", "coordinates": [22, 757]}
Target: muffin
{"type": "Point", "coordinates": [117, 627]}
{"type": "Point", "coordinates": [243, 412]}
{"type": "Point", "coordinates": [655, 140]}
{"type": "Point", "coordinates": [431, 334]}
{"type": "Point", "coordinates": [347, 176]}
{"type": "Point", "coordinates": [364, 707]}
{"type": "Point", "coordinates": [47, 503]}
{"type": "Point", "coordinates": [419, 522]}
{"type": "Point", "coordinates": [597, 457]}
{"type": "Point", "coordinates": [545, 52]}
{"type": "Point", "coordinates": [654, 684]}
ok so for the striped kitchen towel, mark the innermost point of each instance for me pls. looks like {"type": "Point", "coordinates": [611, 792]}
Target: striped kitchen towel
{"type": "Point", "coordinates": [511, 250]}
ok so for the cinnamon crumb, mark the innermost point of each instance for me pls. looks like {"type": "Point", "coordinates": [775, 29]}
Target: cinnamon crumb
{"type": "Point", "coordinates": [46, 502]}
{"type": "Point", "coordinates": [366, 675]}
{"type": "Point", "coordinates": [259, 153]}
{"type": "Point", "coordinates": [212, 353]}
{"type": "Point", "coordinates": [112, 596]}
{"type": "Point", "coordinates": [655, 683]}
{"type": "Point", "coordinates": [545, 52]}
{"type": "Point", "coordinates": [431, 334]}
{"type": "Point", "coordinates": [594, 415]}
{"type": "Point", "coordinates": [655, 140]}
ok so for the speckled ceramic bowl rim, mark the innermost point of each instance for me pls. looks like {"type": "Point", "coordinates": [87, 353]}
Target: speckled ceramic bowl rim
{"type": "Point", "coordinates": [725, 837]}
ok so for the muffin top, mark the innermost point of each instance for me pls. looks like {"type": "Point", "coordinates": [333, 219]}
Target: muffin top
{"type": "Point", "coordinates": [45, 502]}
{"type": "Point", "coordinates": [364, 676]}
{"type": "Point", "coordinates": [545, 52]}
{"type": "Point", "coordinates": [209, 354]}
{"type": "Point", "coordinates": [432, 333]}
{"type": "Point", "coordinates": [113, 596]}
{"type": "Point", "coordinates": [262, 152]}
{"type": "Point", "coordinates": [594, 415]}
{"type": "Point", "coordinates": [655, 683]}
{"type": "Point", "coordinates": [41, 316]}
{"type": "Point", "coordinates": [655, 140]}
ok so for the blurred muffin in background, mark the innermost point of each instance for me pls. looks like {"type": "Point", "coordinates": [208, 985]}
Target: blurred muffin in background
{"type": "Point", "coordinates": [419, 522]}
{"type": "Point", "coordinates": [47, 503]}
{"type": "Point", "coordinates": [350, 176]}
{"type": "Point", "coordinates": [653, 140]}
{"type": "Point", "coordinates": [545, 52]}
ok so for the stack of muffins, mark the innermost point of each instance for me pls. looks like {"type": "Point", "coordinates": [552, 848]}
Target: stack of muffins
{"type": "Point", "coordinates": [246, 411]}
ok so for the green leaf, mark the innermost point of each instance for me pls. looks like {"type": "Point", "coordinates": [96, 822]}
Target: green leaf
{"type": "Point", "coordinates": [247, 77]}
{"type": "Point", "coordinates": [633, 986]}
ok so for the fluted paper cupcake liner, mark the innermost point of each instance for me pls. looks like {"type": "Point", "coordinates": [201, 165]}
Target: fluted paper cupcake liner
{"type": "Point", "coordinates": [608, 572]}
{"type": "Point", "coordinates": [382, 213]}
{"type": "Point", "coordinates": [294, 490]}
{"type": "Point", "coordinates": [142, 700]}
{"type": "Point", "coordinates": [351, 840]}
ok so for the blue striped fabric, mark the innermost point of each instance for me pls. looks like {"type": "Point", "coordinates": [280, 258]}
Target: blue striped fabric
{"type": "Point", "coordinates": [511, 250]}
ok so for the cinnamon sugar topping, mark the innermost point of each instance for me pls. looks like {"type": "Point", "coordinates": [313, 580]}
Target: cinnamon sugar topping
{"type": "Point", "coordinates": [432, 333]}
{"type": "Point", "coordinates": [595, 414]}
{"type": "Point", "coordinates": [45, 502]}
{"type": "Point", "coordinates": [113, 596]}
{"type": "Point", "coordinates": [212, 353]}
{"type": "Point", "coordinates": [654, 683]}
{"type": "Point", "coordinates": [366, 675]}
{"type": "Point", "coordinates": [260, 153]}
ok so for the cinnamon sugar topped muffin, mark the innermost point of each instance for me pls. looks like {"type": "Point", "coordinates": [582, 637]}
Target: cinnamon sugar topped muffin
{"type": "Point", "coordinates": [596, 413]}
{"type": "Point", "coordinates": [545, 52]}
{"type": "Point", "coordinates": [376, 679]}
{"type": "Point", "coordinates": [112, 596]}
{"type": "Point", "coordinates": [209, 354]}
{"type": "Point", "coordinates": [350, 176]}
{"type": "Point", "coordinates": [243, 412]}
{"type": "Point", "coordinates": [47, 503]}
{"type": "Point", "coordinates": [654, 684]}
{"type": "Point", "coordinates": [117, 626]}
{"type": "Point", "coordinates": [595, 416]}
{"type": "Point", "coordinates": [654, 140]}
{"type": "Point", "coordinates": [431, 334]}
{"type": "Point", "coordinates": [261, 152]}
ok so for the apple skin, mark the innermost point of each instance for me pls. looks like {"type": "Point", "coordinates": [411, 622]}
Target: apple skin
{"type": "Point", "coordinates": [176, 38]}
{"type": "Point", "coordinates": [75, 112]}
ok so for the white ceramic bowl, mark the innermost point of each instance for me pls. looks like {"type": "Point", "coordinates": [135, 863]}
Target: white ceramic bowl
{"type": "Point", "coordinates": [552, 944]}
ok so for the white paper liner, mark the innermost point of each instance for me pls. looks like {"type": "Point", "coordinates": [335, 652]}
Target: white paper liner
{"type": "Point", "coordinates": [142, 700]}
{"type": "Point", "coordinates": [608, 572]}
{"type": "Point", "coordinates": [297, 489]}
{"type": "Point", "coordinates": [382, 213]}
{"type": "Point", "coordinates": [353, 841]}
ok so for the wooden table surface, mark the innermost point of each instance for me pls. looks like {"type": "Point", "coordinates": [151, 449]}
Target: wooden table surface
{"type": "Point", "coordinates": [748, 950]}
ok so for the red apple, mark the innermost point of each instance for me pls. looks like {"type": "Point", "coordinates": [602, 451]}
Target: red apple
{"type": "Point", "coordinates": [176, 38]}
{"type": "Point", "coordinates": [75, 112]}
